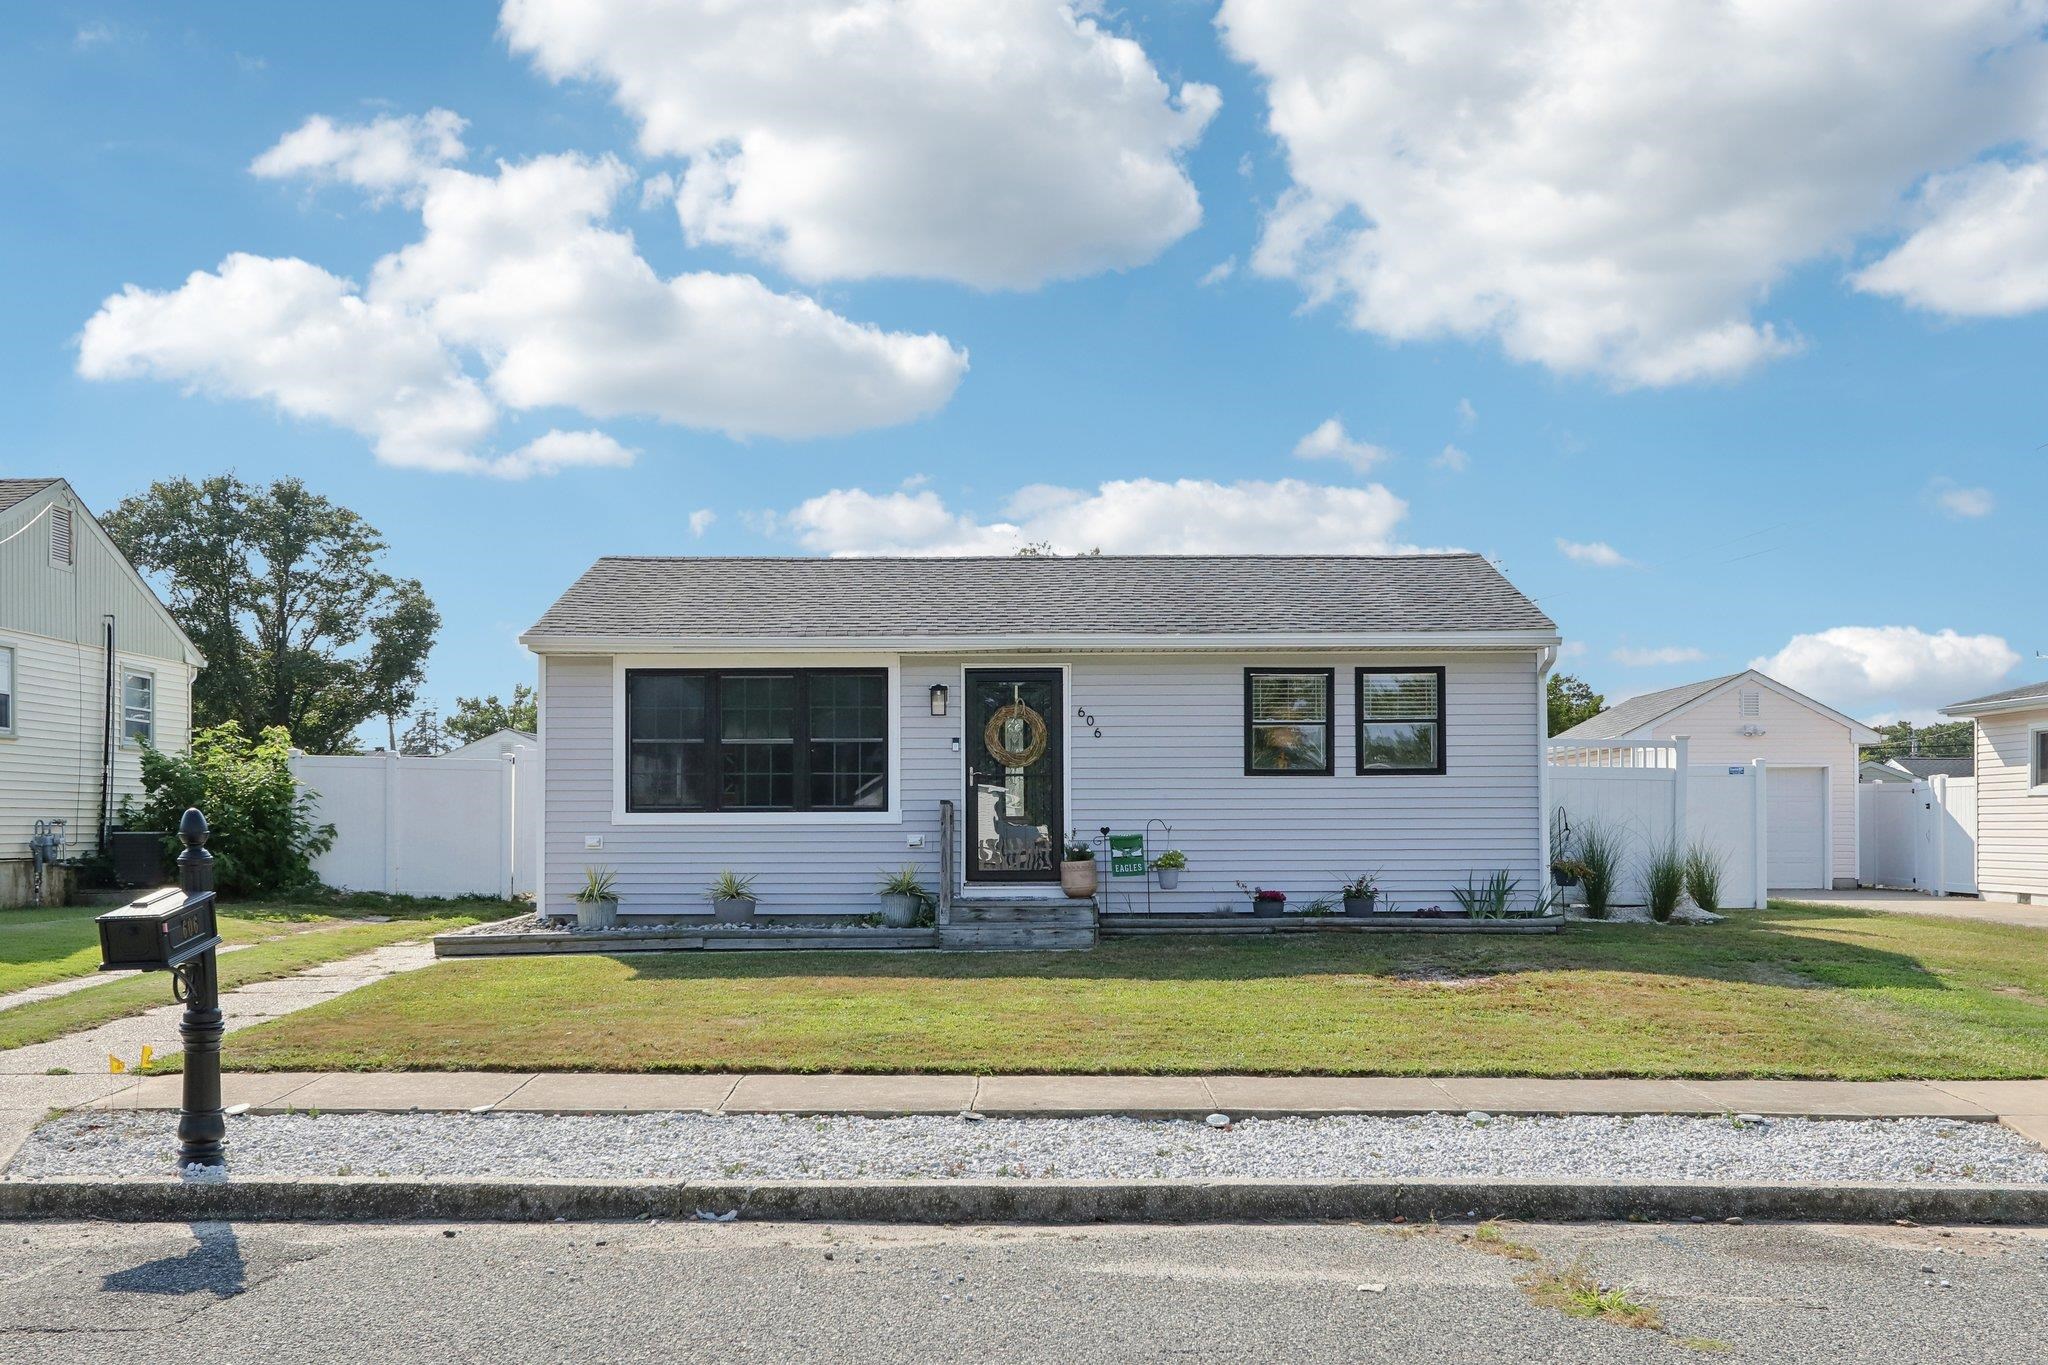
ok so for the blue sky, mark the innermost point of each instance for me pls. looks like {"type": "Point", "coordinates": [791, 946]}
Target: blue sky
{"type": "Point", "coordinates": [1847, 474]}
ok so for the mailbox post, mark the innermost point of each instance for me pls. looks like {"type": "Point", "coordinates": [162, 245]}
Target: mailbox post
{"type": "Point", "coordinates": [176, 931]}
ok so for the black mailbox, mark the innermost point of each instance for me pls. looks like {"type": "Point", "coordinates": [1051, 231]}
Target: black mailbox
{"type": "Point", "coordinates": [164, 929]}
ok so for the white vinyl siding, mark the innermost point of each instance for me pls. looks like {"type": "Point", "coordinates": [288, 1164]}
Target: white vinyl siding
{"type": "Point", "coordinates": [1171, 746]}
{"type": "Point", "coordinates": [2012, 805]}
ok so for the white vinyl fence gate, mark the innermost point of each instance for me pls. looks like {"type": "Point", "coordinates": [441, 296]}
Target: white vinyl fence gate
{"type": "Point", "coordinates": [1648, 795]}
{"type": "Point", "coordinates": [427, 826]}
{"type": "Point", "coordinates": [1918, 836]}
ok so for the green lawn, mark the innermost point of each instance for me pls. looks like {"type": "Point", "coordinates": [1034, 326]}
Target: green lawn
{"type": "Point", "coordinates": [39, 946]}
{"type": "Point", "coordinates": [1790, 992]}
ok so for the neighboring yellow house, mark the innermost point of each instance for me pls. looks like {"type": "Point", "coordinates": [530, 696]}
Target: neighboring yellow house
{"type": "Point", "coordinates": [92, 667]}
{"type": "Point", "coordinates": [2012, 792]}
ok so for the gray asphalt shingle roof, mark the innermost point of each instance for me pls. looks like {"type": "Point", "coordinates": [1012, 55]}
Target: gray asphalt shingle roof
{"type": "Point", "coordinates": [14, 491]}
{"type": "Point", "coordinates": [2023, 693]}
{"type": "Point", "coordinates": [682, 597]}
{"type": "Point", "coordinates": [1929, 765]}
{"type": "Point", "coordinates": [1636, 712]}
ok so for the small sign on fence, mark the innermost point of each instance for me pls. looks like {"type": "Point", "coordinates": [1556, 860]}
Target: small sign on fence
{"type": "Point", "coordinates": [1126, 855]}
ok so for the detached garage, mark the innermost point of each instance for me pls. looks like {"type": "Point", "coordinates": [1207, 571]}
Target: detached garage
{"type": "Point", "coordinates": [1809, 750]}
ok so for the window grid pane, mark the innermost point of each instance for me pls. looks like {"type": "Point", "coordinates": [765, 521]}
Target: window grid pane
{"type": "Point", "coordinates": [138, 707]}
{"type": "Point", "coordinates": [1400, 723]}
{"type": "Point", "coordinates": [1288, 725]}
{"type": "Point", "coordinates": [1397, 745]}
{"type": "Point", "coordinates": [1289, 697]}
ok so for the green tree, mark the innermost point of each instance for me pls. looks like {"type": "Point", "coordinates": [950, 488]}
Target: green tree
{"type": "Point", "coordinates": [426, 736]}
{"type": "Point", "coordinates": [264, 837]}
{"type": "Point", "coordinates": [1945, 739]}
{"type": "Point", "coordinates": [1571, 700]}
{"type": "Point", "coordinates": [285, 593]}
{"type": "Point", "coordinates": [476, 717]}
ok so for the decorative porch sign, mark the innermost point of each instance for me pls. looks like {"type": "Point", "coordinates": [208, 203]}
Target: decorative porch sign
{"type": "Point", "coordinates": [1126, 855]}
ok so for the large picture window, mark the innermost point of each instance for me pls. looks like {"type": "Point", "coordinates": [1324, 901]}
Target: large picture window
{"type": "Point", "coordinates": [757, 739]}
{"type": "Point", "coordinates": [1287, 729]}
{"type": "Point", "coordinates": [1400, 720]}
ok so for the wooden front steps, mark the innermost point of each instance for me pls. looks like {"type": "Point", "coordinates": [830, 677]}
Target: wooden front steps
{"type": "Point", "coordinates": [1018, 923]}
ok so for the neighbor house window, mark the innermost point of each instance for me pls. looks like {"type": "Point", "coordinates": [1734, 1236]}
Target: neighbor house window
{"type": "Point", "coordinates": [757, 739]}
{"type": "Point", "coordinates": [60, 535]}
{"type": "Point", "coordinates": [2040, 774]}
{"type": "Point", "coordinates": [138, 707]}
{"type": "Point", "coordinates": [1400, 720]}
{"type": "Point", "coordinates": [1287, 720]}
{"type": "Point", "coordinates": [6, 690]}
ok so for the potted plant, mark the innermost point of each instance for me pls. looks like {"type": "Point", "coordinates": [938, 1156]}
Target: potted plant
{"type": "Point", "coordinates": [903, 897]}
{"type": "Point", "coordinates": [1077, 868]}
{"type": "Point", "coordinates": [1361, 894]}
{"type": "Point", "coordinates": [597, 905]}
{"type": "Point", "coordinates": [1265, 904]}
{"type": "Point", "coordinates": [1566, 871]}
{"type": "Point", "coordinates": [732, 898]}
{"type": "Point", "coordinates": [1169, 866]}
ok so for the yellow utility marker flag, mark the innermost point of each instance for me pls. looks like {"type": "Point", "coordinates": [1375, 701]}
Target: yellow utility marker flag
{"type": "Point", "coordinates": [115, 1066]}
{"type": "Point", "coordinates": [148, 1054]}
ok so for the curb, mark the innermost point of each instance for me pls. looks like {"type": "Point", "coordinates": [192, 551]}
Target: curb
{"type": "Point", "coordinates": [1012, 1201]}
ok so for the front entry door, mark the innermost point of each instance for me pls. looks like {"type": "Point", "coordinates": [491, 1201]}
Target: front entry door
{"type": "Point", "coordinates": [1016, 774]}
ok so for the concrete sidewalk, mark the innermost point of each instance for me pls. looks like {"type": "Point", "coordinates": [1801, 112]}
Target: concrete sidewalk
{"type": "Point", "coordinates": [1916, 903]}
{"type": "Point", "coordinates": [2022, 1105]}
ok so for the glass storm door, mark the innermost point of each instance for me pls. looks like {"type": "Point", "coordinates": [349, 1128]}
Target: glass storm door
{"type": "Point", "coordinates": [1015, 774]}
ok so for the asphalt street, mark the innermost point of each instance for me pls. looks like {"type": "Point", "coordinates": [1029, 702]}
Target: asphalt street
{"type": "Point", "coordinates": [281, 1293]}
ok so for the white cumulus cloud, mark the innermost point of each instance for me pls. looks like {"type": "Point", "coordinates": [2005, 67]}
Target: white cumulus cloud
{"type": "Point", "coordinates": [518, 295]}
{"type": "Point", "coordinates": [391, 155]}
{"type": "Point", "coordinates": [1657, 657]}
{"type": "Point", "coordinates": [1123, 516]}
{"type": "Point", "coordinates": [1598, 553]}
{"type": "Point", "coordinates": [1001, 144]}
{"type": "Point", "coordinates": [1613, 186]}
{"type": "Point", "coordinates": [701, 519]}
{"type": "Point", "coordinates": [1329, 441]}
{"type": "Point", "coordinates": [1961, 502]}
{"type": "Point", "coordinates": [1453, 458]}
{"type": "Point", "coordinates": [559, 450]}
{"type": "Point", "coordinates": [1981, 249]}
{"type": "Point", "coordinates": [1891, 671]}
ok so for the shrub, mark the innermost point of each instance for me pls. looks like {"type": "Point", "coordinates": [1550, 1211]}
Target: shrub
{"type": "Point", "coordinates": [1173, 860]}
{"type": "Point", "coordinates": [1488, 899]}
{"type": "Point", "coordinates": [1704, 868]}
{"type": "Point", "coordinates": [264, 837]}
{"type": "Point", "coordinates": [730, 886]}
{"type": "Point", "coordinates": [1664, 880]}
{"type": "Point", "coordinates": [1600, 855]}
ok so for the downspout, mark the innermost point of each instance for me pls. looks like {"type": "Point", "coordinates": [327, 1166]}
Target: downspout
{"type": "Point", "coordinates": [1545, 658]}
{"type": "Point", "coordinates": [107, 745]}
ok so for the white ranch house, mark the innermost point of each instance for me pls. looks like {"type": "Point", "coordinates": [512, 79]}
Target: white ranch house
{"type": "Point", "coordinates": [92, 667]}
{"type": "Point", "coordinates": [2012, 792]}
{"type": "Point", "coordinates": [1808, 748]}
{"type": "Point", "coordinates": [1296, 720]}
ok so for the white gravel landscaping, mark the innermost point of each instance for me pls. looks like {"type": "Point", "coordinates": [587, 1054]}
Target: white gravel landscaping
{"type": "Point", "coordinates": [700, 1146]}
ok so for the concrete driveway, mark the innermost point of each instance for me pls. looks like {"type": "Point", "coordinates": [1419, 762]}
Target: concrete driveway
{"type": "Point", "coordinates": [1913, 903]}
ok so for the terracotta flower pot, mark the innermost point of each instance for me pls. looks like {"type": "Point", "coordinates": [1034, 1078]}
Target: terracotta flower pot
{"type": "Point", "coordinates": [1077, 878]}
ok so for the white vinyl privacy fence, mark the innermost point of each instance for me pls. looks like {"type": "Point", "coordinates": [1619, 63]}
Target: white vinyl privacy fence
{"type": "Point", "coordinates": [1918, 836]}
{"type": "Point", "coordinates": [1649, 795]}
{"type": "Point", "coordinates": [427, 826]}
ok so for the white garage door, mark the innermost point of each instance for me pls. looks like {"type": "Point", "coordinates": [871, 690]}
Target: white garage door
{"type": "Point", "coordinates": [1798, 827]}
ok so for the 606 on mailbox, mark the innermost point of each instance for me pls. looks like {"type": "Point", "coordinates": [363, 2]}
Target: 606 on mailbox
{"type": "Point", "coordinates": [164, 929]}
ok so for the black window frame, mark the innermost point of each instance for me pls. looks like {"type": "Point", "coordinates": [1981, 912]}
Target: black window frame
{"type": "Point", "coordinates": [2037, 758]}
{"type": "Point", "coordinates": [800, 743]}
{"type": "Point", "coordinates": [1359, 721]}
{"type": "Point", "coordinates": [1329, 677]}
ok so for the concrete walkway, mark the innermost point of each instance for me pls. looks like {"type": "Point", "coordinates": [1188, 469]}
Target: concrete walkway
{"type": "Point", "coordinates": [1914, 903]}
{"type": "Point", "coordinates": [2022, 1105]}
{"type": "Point", "coordinates": [28, 1090]}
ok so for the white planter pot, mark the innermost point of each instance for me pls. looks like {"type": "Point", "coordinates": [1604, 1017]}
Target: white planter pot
{"type": "Point", "coordinates": [899, 912]}
{"type": "Point", "coordinates": [1169, 877]}
{"type": "Point", "coordinates": [602, 914]}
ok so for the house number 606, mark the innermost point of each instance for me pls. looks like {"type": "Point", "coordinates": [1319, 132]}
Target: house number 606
{"type": "Point", "coordinates": [1081, 714]}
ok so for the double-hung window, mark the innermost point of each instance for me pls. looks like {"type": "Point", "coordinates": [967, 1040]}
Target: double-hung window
{"type": "Point", "coordinates": [814, 739]}
{"type": "Point", "coordinates": [2039, 757]}
{"type": "Point", "coordinates": [138, 707]}
{"type": "Point", "coordinates": [1400, 720]}
{"type": "Point", "coordinates": [1287, 726]}
{"type": "Point", "coordinates": [6, 690]}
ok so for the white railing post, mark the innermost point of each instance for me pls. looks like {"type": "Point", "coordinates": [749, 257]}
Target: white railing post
{"type": "Point", "coordinates": [508, 824]}
{"type": "Point", "coordinates": [1938, 787]}
{"type": "Point", "coordinates": [390, 822]}
{"type": "Point", "coordinates": [1679, 813]}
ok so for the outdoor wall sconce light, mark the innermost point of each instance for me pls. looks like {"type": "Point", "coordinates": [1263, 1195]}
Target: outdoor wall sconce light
{"type": "Point", "coordinates": [938, 699]}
